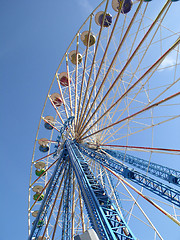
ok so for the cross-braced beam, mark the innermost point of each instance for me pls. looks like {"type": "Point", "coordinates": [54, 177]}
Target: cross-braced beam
{"type": "Point", "coordinates": [105, 218]}
{"type": "Point", "coordinates": [170, 194]}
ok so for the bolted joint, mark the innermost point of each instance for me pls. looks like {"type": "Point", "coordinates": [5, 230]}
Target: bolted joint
{"type": "Point", "coordinates": [127, 173]}
{"type": "Point", "coordinates": [173, 179]}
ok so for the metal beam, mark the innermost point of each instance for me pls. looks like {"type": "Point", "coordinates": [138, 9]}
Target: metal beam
{"type": "Point", "coordinates": [66, 225]}
{"type": "Point", "coordinates": [48, 197]}
{"type": "Point", "coordinates": [105, 218]}
{"type": "Point", "coordinates": [170, 194]}
{"type": "Point", "coordinates": [165, 173]}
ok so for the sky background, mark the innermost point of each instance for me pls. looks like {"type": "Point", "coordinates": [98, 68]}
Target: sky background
{"type": "Point", "coordinates": [34, 36]}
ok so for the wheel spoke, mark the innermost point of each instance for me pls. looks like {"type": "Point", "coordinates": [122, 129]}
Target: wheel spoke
{"type": "Point", "coordinates": [93, 61]}
{"type": "Point", "coordinates": [146, 198]}
{"type": "Point", "coordinates": [144, 148]}
{"type": "Point", "coordinates": [129, 60]}
{"type": "Point", "coordinates": [99, 69]}
{"type": "Point", "coordinates": [84, 70]}
{"type": "Point", "coordinates": [135, 114]}
{"type": "Point", "coordinates": [115, 56]}
{"type": "Point", "coordinates": [140, 79]}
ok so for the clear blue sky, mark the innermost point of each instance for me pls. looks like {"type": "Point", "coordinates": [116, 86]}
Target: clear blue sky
{"type": "Point", "coordinates": [33, 38]}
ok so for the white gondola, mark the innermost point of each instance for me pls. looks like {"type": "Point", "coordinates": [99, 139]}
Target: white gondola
{"type": "Point", "coordinates": [37, 188]}
{"type": "Point", "coordinates": [85, 36]}
{"type": "Point", "coordinates": [63, 79]}
{"type": "Point", "coordinates": [72, 57]}
{"type": "Point", "coordinates": [107, 19]}
{"type": "Point", "coordinates": [56, 99]}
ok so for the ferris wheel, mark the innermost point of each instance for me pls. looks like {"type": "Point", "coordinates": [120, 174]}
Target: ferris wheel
{"type": "Point", "coordinates": [106, 159]}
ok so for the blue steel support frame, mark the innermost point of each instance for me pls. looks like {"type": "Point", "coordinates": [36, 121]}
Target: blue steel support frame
{"type": "Point", "coordinates": [48, 196]}
{"type": "Point", "coordinates": [116, 194]}
{"type": "Point", "coordinates": [170, 194]}
{"type": "Point", "coordinates": [66, 225]}
{"type": "Point", "coordinates": [165, 173]}
{"type": "Point", "coordinates": [108, 223]}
